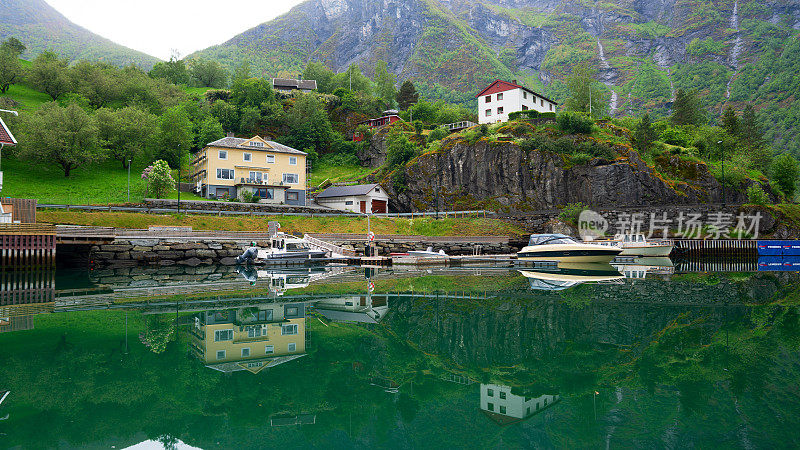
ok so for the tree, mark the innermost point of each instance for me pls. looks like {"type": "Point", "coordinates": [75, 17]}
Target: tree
{"type": "Point", "coordinates": [407, 95]}
{"type": "Point", "coordinates": [97, 82]}
{"type": "Point", "coordinates": [66, 136]}
{"type": "Point", "coordinates": [686, 110]}
{"type": "Point", "coordinates": [249, 120]}
{"type": "Point", "coordinates": [321, 74]}
{"type": "Point", "coordinates": [159, 179]}
{"type": "Point", "coordinates": [126, 133]}
{"type": "Point", "coordinates": [644, 135]}
{"type": "Point", "coordinates": [353, 80]}
{"type": "Point", "coordinates": [385, 83]}
{"type": "Point", "coordinates": [226, 114]}
{"type": "Point", "coordinates": [399, 149]}
{"type": "Point", "coordinates": [730, 121]}
{"type": "Point", "coordinates": [10, 67]}
{"type": "Point", "coordinates": [210, 131]}
{"type": "Point", "coordinates": [48, 74]}
{"type": "Point", "coordinates": [749, 129]}
{"type": "Point", "coordinates": [587, 95]}
{"type": "Point", "coordinates": [785, 170]}
{"type": "Point", "coordinates": [175, 135]}
{"type": "Point", "coordinates": [309, 126]}
{"type": "Point", "coordinates": [173, 70]}
{"type": "Point", "coordinates": [208, 73]}
{"type": "Point", "coordinates": [251, 92]}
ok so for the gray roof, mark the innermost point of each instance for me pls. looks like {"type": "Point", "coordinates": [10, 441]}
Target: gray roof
{"type": "Point", "coordinates": [291, 83]}
{"type": "Point", "coordinates": [346, 316]}
{"type": "Point", "coordinates": [347, 191]}
{"type": "Point", "coordinates": [234, 142]}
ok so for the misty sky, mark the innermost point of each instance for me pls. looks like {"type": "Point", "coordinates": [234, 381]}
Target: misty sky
{"type": "Point", "coordinates": [156, 26]}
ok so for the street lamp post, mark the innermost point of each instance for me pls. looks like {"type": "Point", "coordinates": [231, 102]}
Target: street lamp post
{"type": "Point", "coordinates": [129, 180]}
{"type": "Point", "coordinates": [179, 178]}
{"type": "Point", "coordinates": [723, 172]}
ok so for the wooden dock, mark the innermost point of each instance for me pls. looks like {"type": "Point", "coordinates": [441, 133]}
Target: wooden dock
{"type": "Point", "coordinates": [716, 247]}
{"type": "Point", "coordinates": [27, 244]}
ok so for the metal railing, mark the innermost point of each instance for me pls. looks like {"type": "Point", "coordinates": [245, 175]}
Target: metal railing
{"type": "Point", "coordinates": [328, 246]}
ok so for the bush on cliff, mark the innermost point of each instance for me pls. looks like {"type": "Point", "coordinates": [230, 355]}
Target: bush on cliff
{"type": "Point", "coordinates": [785, 170]}
{"type": "Point", "coordinates": [399, 150]}
{"type": "Point", "coordinates": [574, 123]}
{"type": "Point", "coordinates": [756, 195]}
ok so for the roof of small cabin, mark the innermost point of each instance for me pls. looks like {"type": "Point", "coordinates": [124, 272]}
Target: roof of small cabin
{"type": "Point", "coordinates": [6, 137]}
{"type": "Point", "coordinates": [347, 191]}
{"type": "Point", "coordinates": [293, 83]}
{"type": "Point", "coordinates": [502, 86]}
{"type": "Point", "coordinates": [234, 142]}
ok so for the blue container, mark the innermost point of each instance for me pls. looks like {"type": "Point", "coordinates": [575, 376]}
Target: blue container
{"type": "Point", "coordinates": [770, 264]}
{"type": "Point", "coordinates": [771, 248]}
{"type": "Point", "coordinates": [791, 248]}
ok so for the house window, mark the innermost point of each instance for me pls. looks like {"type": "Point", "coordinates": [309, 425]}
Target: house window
{"type": "Point", "coordinates": [502, 409]}
{"type": "Point", "coordinates": [500, 110]}
{"type": "Point", "coordinates": [348, 203]}
{"type": "Point", "coordinates": [488, 112]}
{"type": "Point", "coordinates": [377, 190]}
{"type": "Point", "coordinates": [253, 332]}
{"type": "Point", "coordinates": [256, 144]}
{"type": "Point", "coordinates": [224, 174]}
{"type": "Point", "coordinates": [267, 193]}
{"type": "Point", "coordinates": [551, 106]}
{"type": "Point", "coordinates": [490, 392]}
{"type": "Point", "coordinates": [524, 94]}
{"type": "Point", "coordinates": [245, 352]}
{"type": "Point", "coordinates": [291, 178]}
{"type": "Point", "coordinates": [524, 108]}
{"type": "Point", "coordinates": [248, 157]}
{"type": "Point", "coordinates": [291, 310]}
{"type": "Point", "coordinates": [292, 160]}
{"type": "Point", "coordinates": [220, 354]}
{"type": "Point", "coordinates": [223, 154]}
{"type": "Point", "coordinates": [499, 97]}
{"type": "Point", "coordinates": [270, 159]}
{"type": "Point", "coordinates": [223, 335]}
{"type": "Point", "coordinates": [527, 410]}
{"type": "Point", "coordinates": [490, 406]}
{"type": "Point", "coordinates": [542, 101]}
{"type": "Point", "coordinates": [255, 177]}
{"type": "Point", "coordinates": [488, 98]}
{"type": "Point", "coordinates": [292, 347]}
{"type": "Point", "coordinates": [292, 196]}
{"type": "Point", "coordinates": [287, 330]}
{"type": "Point", "coordinates": [502, 394]}
{"type": "Point", "coordinates": [269, 349]}
{"type": "Point", "coordinates": [545, 402]}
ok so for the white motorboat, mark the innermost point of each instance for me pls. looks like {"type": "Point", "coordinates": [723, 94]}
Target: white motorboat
{"type": "Point", "coordinates": [570, 274]}
{"type": "Point", "coordinates": [429, 253]}
{"type": "Point", "coordinates": [283, 247]}
{"type": "Point", "coordinates": [639, 245]}
{"type": "Point", "coordinates": [562, 248]}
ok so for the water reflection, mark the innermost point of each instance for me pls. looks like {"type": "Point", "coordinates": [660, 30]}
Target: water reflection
{"type": "Point", "coordinates": [249, 338]}
{"type": "Point", "coordinates": [505, 407]}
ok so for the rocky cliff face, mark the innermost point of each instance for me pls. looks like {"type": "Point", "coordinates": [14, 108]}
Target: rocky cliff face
{"type": "Point", "coordinates": [508, 177]}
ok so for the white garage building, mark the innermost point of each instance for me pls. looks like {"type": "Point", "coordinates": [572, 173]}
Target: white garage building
{"type": "Point", "coordinates": [360, 198]}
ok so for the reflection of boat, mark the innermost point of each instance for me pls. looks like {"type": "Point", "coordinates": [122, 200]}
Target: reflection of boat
{"type": "Point", "coordinates": [641, 267]}
{"type": "Point", "coordinates": [638, 245]}
{"type": "Point", "coordinates": [280, 280]}
{"type": "Point", "coordinates": [3, 395]}
{"type": "Point", "coordinates": [283, 247]}
{"type": "Point", "coordinates": [570, 274]}
{"type": "Point", "coordinates": [562, 248]}
{"type": "Point", "coordinates": [429, 253]}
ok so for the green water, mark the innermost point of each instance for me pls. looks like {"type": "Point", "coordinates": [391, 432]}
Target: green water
{"type": "Point", "coordinates": [706, 360]}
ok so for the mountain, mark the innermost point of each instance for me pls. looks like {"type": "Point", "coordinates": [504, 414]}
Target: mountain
{"type": "Point", "coordinates": [40, 27]}
{"type": "Point", "coordinates": [731, 51]}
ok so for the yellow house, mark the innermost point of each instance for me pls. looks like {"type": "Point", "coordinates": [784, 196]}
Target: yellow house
{"type": "Point", "coordinates": [228, 167]}
{"type": "Point", "coordinates": [250, 338]}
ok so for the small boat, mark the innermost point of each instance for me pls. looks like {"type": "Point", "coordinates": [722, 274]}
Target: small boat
{"type": "Point", "coordinates": [570, 274]}
{"type": "Point", "coordinates": [429, 253]}
{"type": "Point", "coordinates": [283, 247]}
{"type": "Point", "coordinates": [641, 267]}
{"type": "Point", "coordinates": [562, 248]}
{"type": "Point", "coordinates": [638, 245]}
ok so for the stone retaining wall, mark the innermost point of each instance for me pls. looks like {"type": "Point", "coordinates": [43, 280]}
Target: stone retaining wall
{"type": "Point", "coordinates": [234, 206]}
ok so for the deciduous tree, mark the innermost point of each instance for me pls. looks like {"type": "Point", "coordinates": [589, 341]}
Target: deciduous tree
{"type": "Point", "coordinates": [644, 135]}
{"type": "Point", "coordinates": [66, 136]}
{"type": "Point", "coordinates": [10, 67]}
{"type": "Point", "coordinates": [126, 133]}
{"type": "Point", "coordinates": [785, 170]}
{"type": "Point", "coordinates": [175, 135]}
{"type": "Point", "coordinates": [173, 70]}
{"type": "Point", "coordinates": [587, 95]}
{"type": "Point", "coordinates": [309, 126]}
{"type": "Point", "coordinates": [321, 74]}
{"type": "Point", "coordinates": [208, 73]}
{"type": "Point", "coordinates": [210, 131]}
{"type": "Point", "coordinates": [384, 81]}
{"type": "Point", "coordinates": [48, 74]}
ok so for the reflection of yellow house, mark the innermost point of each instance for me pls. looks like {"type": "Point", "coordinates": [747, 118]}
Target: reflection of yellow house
{"type": "Point", "coordinates": [251, 338]}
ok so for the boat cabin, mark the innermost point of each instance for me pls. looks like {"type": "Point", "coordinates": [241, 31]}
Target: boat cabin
{"type": "Point", "coordinates": [541, 239]}
{"type": "Point", "coordinates": [289, 243]}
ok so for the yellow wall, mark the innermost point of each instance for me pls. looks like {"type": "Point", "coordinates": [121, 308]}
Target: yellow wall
{"type": "Point", "coordinates": [258, 163]}
{"type": "Point", "coordinates": [233, 349]}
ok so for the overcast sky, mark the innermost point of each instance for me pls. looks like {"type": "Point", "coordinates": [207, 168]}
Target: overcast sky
{"type": "Point", "coordinates": [156, 26]}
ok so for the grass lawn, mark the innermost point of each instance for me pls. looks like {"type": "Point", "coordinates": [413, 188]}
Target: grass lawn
{"type": "Point", "coordinates": [324, 171]}
{"type": "Point", "coordinates": [299, 224]}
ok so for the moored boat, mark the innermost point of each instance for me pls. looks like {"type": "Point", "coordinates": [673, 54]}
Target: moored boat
{"type": "Point", "coordinates": [562, 248]}
{"type": "Point", "coordinates": [283, 247]}
{"type": "Point", "coordinates": [639, 245]}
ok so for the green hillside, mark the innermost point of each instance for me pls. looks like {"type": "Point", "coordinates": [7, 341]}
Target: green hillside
{"type": "Point", "coordinates": [41, 28]}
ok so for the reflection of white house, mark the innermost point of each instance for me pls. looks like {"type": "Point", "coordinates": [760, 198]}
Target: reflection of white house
{"type": "Point", "coordinates": [364, 308]}
{"type": "Point", "coordinates": [363, 198]}
{"type": "Point", "coordinates": [504, 407]}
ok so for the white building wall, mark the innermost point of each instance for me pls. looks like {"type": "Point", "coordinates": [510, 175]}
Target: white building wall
{"type": "Point", "coordinates": [515, 405]}
{"type": "Point", "coordinates": [340, 203]}
{"type": "Point", "coordinates": [512, 101]}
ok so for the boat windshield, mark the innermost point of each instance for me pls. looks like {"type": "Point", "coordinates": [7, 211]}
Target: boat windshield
{"type": "Point", "coordinates": [295, 246]}
{"type": "Point", "coordinates": [549, 239]}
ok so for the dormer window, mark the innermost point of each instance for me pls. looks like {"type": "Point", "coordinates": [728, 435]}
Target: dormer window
{"type": "Point", "coordinates": [256, 144]}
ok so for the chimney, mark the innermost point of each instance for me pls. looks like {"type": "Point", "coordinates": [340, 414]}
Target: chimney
{"type": "Point", "coordinates": [514, 81]}
{"type": "Point", "coordinates": [229, 134]}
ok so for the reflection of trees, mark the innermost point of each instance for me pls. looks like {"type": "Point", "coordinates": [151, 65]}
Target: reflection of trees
{"type": "Point", "coordinates": [158, 333]}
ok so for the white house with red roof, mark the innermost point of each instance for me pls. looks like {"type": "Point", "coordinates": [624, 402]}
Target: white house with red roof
{"type": "Point", "coordinates": [501, 98]}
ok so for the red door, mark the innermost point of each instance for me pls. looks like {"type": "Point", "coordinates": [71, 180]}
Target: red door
{"type": "Point", "coordinates": [364, 207]}
{"type": "Point", "coordinates": [379, 206]}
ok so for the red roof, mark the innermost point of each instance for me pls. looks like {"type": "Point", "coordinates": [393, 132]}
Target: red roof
{"type": "Point", "coordinates": [502, 86]}
{"type": "Point", "coordinates": [6, 138]}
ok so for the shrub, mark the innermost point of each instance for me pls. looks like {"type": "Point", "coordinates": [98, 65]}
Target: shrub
{"type": "Point", "coordinates": [400, 150]}
{"type": "Point", "coordinates": [756, 195]}
{"type": "Point", "coordinates": [527, 114]}
{"type": "Point", "coordinates": [159, 179]}
{"type": "Point", "coordinates": [580, 158]}
{"type": "Point", "coordinates": [574, 123]}
{"type": "Point", "coordinates": [438, 134]}
{"type": "Point", "coordinates": [675, 136]}
{"type": "Point", "coordinates": [571, 212]}
{"type": "Point", "coordinates": [785, 171]}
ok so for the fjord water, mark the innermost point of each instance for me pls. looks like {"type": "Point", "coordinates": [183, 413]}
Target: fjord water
{"type": "Point", "coordinates": [441, 358]}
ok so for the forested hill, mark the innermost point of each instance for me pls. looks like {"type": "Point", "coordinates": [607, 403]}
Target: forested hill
{"type": "Point", "coordinates": [731, 51]}
{"type": "Point", "coordinates": [41, 28]}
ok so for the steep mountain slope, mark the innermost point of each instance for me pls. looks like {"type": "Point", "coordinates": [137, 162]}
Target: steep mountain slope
{"type": "Point", "coordinates": [731, 51]}
{"type": "Point", "coordinates": [40, 28]}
